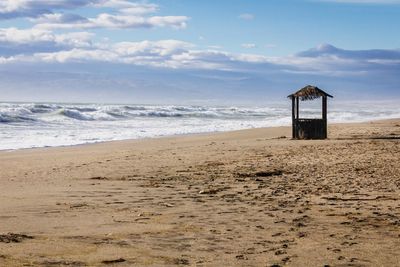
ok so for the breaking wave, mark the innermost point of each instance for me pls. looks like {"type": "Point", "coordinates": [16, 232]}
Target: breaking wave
{"type": "Point", "coordinates": [24, 125]}
{"type": "Point", "coordinates": [34, 112]}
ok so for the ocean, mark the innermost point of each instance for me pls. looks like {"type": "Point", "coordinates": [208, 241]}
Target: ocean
{"type": "Point", "coordinates": [29, 125]}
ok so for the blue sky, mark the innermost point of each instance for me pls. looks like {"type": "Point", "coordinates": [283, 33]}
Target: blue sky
{"type": "Point", "coordinates": [282, 27]}
{"type": "Point", "coordinates": [196, 51]}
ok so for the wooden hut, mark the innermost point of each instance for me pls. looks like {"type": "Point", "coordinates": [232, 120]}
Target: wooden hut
{"type": "Point", "coordinates": [309, 128]}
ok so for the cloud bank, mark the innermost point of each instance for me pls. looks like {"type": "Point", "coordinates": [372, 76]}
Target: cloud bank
{"type": "Point", "coordinates": [34, 8]}
{"type": "Point", "coordinates": [62, 38]}
{"type": "Point", "coordinates": [45, 14]}
{"type": "Point", "coordinates": [44, 42]}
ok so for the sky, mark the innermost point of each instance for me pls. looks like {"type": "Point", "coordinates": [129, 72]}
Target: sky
{"type": "Point", "coordinates": [197, 51]}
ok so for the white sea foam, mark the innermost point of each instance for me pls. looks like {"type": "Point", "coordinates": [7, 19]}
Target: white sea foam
{"type": "Point", "coordinates": [26, 125]}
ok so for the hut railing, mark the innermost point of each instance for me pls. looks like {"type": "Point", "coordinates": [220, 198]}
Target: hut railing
{"type": "Point", "coordinates": [310, 129]}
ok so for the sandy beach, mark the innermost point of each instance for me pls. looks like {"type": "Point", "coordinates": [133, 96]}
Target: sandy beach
{"type": "Point", "coordinates": [244, 198]}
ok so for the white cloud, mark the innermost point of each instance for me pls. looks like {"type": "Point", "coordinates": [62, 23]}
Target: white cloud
{"type": "Point", "coordinates": [126, 14]}
{"type": "Point", "coordinates": [215, 47]}
{"type": "Point", "coordinates": [58, 18]}
{"type": "Point", "coordinates": [74, 39]}
{"type": "Point", "coordinates": [252, 58]}
{"type": "Point", "coordinates": [5, 60]}
{"type": "Point", "coordinates": [165, 53]}
{"type": "Point", "coordinates": [77, 55]}
{"type": "Point", "coordinates": [105, 20]}
{"type": "Point", "coordinates": [10, 6]}
{"type": "Point", "coordinates": [246, 16]}
{"type": "Point", "coordinates": [33, 8]}
{"type": "Point", "coordinates": [248, 46]}
{"type": "Point", "coordinates": [31, 36]}
{"type": "Point", "coordinates": [129, 7]}
{"type": "Point", "coordinates": [325, 50]}
{"type": "Point", "coordinates": [178, 22]}
{"type": "Point", "coordinates": [78, 47]}
{"type": "Point", "coordinates": [14, 35]}
{"type": "Point", "coordinates": [255, 72]}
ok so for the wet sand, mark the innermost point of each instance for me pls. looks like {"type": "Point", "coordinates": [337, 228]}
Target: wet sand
{"type": "Point", "coordinates": [245, 198]}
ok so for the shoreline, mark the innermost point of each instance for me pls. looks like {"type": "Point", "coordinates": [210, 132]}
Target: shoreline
{"type": "Point", "coordinates": [231, 198]}
{"type": "Point", "coordinates": [187, 135]}
{"type": "Point", "coordinates": [131, 140]}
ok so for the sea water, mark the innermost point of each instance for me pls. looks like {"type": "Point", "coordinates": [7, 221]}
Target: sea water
{"type": "Point", "coordinates": [28, 125]}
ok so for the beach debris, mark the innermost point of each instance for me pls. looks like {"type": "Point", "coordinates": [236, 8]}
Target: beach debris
{"type": "Point", "coordinates": [280, 252]}
{"type": "Point", "coordinates": [212, 191]}
{"type": "Point", "coordinates": [180, 261]}
{"type": "Point", "coordinates": [113, 261]}
{"type": "Point", "coordinates": [334, 198]}
{"type": "Point", "coordinates": [279, 137]}
{"type": "Point", "coordinates": [78, 205]}
{"type": "Point", "coordinates": [99, 178]}
{"type": "Point", "coordinates": [301, 234]}
{"type": "Point", "coordinates": [62, 263]}
{"type": "Point", "coordinates": [168, 205]}
{"type": "Point", "coordinates": [268, 173]}
{"type": "Point", "coordinates": [241, 257]}
{"type": "Point", "coordinates": [14, 238]}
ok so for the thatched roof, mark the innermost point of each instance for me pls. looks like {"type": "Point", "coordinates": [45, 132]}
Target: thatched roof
{"type": "Point", "coordinates": [309, 93]}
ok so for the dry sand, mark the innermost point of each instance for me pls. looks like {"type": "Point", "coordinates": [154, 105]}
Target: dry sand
{"type": "Point", "coordinates": [246, 198]}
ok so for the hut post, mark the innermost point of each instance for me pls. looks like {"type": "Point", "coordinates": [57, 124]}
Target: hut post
{"type": "Point", "coordinates": [293, 118]}
{"type": "Point", "coordinates": [324, 115]}
{"type": "Point", "coordinates": [297, 107]}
